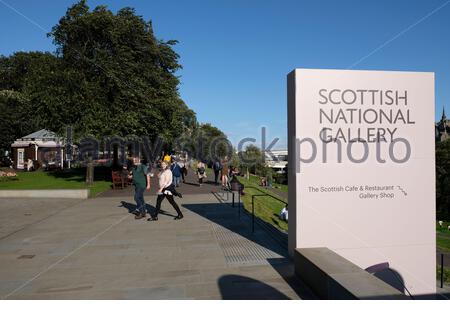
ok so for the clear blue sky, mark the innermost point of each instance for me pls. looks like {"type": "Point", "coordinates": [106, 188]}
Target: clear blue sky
{"type": "Point", "coordinates": [236, 54]}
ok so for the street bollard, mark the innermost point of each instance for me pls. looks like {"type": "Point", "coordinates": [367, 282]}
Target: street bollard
{"type": "Point", "coordinates": [239, 204]}
{"type": "Point", "coordinates": [253, 214]}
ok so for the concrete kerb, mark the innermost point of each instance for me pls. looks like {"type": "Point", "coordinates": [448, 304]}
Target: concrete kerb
{"type": "Point", "coordinates": [46, 193]}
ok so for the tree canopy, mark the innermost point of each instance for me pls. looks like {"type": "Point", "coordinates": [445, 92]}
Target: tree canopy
{"type": "Point", "coordinates": [253, 159]}
{"type": "Point", "coordinates": [109, 75]}
{"type": "Point", "coordinates": [205, 142]}
{"type": "Point", "coordinates": [443, 179]}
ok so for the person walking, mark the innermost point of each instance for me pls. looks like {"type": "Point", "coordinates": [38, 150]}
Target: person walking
{"type": "Point", "coordinates": [183, 167]}
{"type": "Point", "coordinates": [165, 190]}
{"type": "Point", "coordinates": [141, 181]}
{"type": "Point", "coordinates": [176, 173]}
{"type": "Point", "coordinates": [225, 173]}
{"type": "Point", "coordinates": [201, 172]}
{"type": "Point", "coordinates": [216, 167]}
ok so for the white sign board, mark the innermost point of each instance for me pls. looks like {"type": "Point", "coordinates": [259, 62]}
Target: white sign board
{"type": "Point", "coordinates": [362, 170]}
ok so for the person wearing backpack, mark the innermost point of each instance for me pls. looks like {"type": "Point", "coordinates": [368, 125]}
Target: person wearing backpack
{"type": "Point", "coordinates": [176, 173]}
{"type": "Point", "coordinates": [201, 172]}
{"type": "Point", "coordinates": [216, 167]}
{"type": "Point", "coordinates": [141, 182]}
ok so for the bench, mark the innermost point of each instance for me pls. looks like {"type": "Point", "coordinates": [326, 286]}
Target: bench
{"type": "Point", "coordinates": [117, 179]}
{"type": "Point", "coordinates": [331, 276]}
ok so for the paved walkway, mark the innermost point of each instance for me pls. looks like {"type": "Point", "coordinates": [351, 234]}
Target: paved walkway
{"type": "Point", "coordinates": [95, 249]}
{"type": "Point", "coordinates": [190, 187]}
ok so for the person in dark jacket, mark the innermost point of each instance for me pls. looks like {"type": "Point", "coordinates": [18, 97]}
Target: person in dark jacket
{"type": "Point", "coordinates": [182, 164]}
{"type": "Point", "coordinates": [141, 181]}
{"type": "Point", "coordinates": [216, 167]}
{"type": "Point", "coordinates": [176, 173]}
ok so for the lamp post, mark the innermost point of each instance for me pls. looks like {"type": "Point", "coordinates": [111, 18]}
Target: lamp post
{"type": "Point", "coordinates": [69, 149]}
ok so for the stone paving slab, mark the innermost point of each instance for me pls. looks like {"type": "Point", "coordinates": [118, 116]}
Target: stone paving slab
{"type": "Point", "coordinates": [17, 214]}
{"type": "Point", "coordinates": [95, 249]}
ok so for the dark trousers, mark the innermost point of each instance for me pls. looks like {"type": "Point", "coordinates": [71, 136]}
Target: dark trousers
{"type": "Point", "coordinates": [216, 176]}
{"type": "Point", "coordinates": [171, 200]}
{"type": "Point", "coordinates": [176, 180]}
{"type": "Point", "coordinates": [139, 198]}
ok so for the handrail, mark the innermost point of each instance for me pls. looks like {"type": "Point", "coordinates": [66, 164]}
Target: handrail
{"type": "Point", "coordinates": [442, 254]}
{"type": "Point", "coordinates": [228, 191]}
{"type": "Point", "coordinates": [442, 270]}
{"type": "Point", "coordinates": [263, 194]}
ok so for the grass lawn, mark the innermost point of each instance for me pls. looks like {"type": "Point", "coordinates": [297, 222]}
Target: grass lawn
{"type": "Point", "coordinates": [282, 187]}
{"type": "Point", "coordinates": [266, 208]}
{"type": "Point", "coordinates": [443, 236]}
{"type": "Point", "coordinates": [256, 180]}
{"type": "Point", "coordinates": [443, 243]}
{"type": "Point", "coordinates": [71, 179]}
{"type": "Point", "coordinates": [446, 274]}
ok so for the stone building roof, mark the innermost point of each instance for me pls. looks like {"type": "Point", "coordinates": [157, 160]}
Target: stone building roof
{"type": "Point", "coordinates": [41, 138]}
{"type": "Point", "coordinates": [42, 134]}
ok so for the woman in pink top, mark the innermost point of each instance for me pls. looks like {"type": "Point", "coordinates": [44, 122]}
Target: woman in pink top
{"type": "Point", "coordinates": [164, 182]}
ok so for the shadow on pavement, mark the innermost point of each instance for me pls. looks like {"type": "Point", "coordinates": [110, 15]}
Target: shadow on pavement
{"type": "Point", "coordinates": [101, 173]}
{"type": "Point", "coordinates": [285, 269]}
{"type": "Point", "coordinates": [236, 287]}
{"type": "Point", "coordinates": [227, 217]}
{"type": "Point", "coordinates": [131, 207]}
{"type": "Point", "coordinates": [223, 215]}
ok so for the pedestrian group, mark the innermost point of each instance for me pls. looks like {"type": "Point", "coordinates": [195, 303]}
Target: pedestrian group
{"type": "Point", "coordinates": [172, 172]}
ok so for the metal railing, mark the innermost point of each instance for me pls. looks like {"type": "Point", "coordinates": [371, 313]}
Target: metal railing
{"type": "Point", "coordinates": [227, 192]}
{"type": "Point", "coordinates": [262, 194]}
{"type": "Point", "coordinates": [441, 267]}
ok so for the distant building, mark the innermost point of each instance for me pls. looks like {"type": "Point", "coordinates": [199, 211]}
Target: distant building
{"type": "Point", "coordinates": [442, 128]}
{"type": "Point", "coordinates": [279, 160]}
{"type": "Point", "coordinates": [43, 147]}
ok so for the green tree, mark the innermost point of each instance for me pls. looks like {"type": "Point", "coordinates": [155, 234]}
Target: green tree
{"type": "Point", "coordinates": [14, 121]}
{"type": "Point", "coordinates": [20, 74]}
{"type": "Point", "coordinates": [443, 179]}
{"type": "Point", "coordinates": [235, 161]}
{"type": "Point", "coordinates": [253, 159]}
{"type": "Point", "coordinates": [206, 142]}
{"type": "Point", "coordinates": [109, 76]}
{"type": "Point", "coordinates": [126, 75]}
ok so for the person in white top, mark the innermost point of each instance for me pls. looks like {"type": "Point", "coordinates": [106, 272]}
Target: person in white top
{"type": "Point", "coordinates": [30, 166]}
{"type": "Point", "coordinates": [201, 172]}
{"type": "Point", "coordinates": [164, 182]}
{"type": "Point", "coordinates": [284, 213]}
